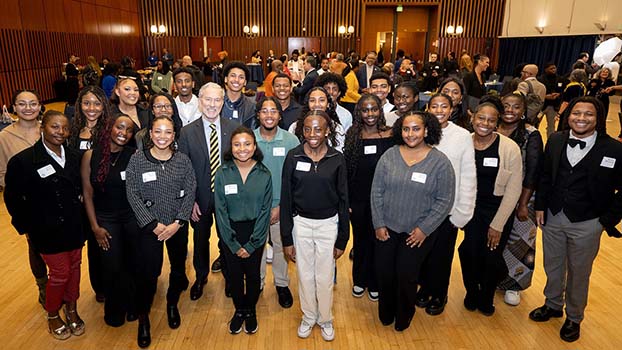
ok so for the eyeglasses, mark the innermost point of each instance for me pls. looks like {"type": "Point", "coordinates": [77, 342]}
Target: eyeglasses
{"type": "Point", "coordinates": [24, 104]}
{"type": "Point", "coordinates": [268, 111]}
{"type": "Point", "coordinates": [163, 106]}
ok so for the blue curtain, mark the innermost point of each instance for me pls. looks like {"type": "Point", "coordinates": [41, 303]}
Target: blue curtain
{"type": "Point", "coordinates": [563, 50]}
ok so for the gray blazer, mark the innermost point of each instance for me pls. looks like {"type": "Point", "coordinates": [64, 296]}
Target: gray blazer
{"type": "Point", "coordinates": [192, 142]}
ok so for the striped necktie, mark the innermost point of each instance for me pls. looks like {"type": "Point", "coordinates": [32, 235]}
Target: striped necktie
{"type": "Point", "coordinates": [214, 154]}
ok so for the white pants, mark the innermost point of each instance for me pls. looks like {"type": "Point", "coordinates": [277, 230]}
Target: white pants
{"type": "Point", "coordinates": [279, 264]}
{"type": "Point", "coordinates": [314, 241]}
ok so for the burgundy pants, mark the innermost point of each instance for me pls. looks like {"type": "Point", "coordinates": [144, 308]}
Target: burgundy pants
{"type": "Point", "coordinates": [63, 279]}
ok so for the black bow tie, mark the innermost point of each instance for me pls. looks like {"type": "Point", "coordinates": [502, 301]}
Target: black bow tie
{"type": "Point", "coordinates": [573, 142]}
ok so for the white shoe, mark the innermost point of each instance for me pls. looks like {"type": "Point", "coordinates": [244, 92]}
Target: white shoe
{"type": "Point", "coordinates": [304, 330]}
{"type": "Point", "coordinates": [269, 254]}
{"type": "Point", "coordinates": [512, 297]}
{"type": "Point", "coordinates": [328, 332]}
{"type": "Point", "coordinates": [358, 291]}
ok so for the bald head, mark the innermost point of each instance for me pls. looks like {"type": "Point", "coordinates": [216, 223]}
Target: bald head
{"type": "Point", "coordinates": [186, 61]}
{"type": "Point", "coordinates": [530, 70]}
{"type": "Point", "coordinates": [277, 66]}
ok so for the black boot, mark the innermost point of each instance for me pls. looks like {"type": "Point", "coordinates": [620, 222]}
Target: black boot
{"type": "Point", "coordinates": [144, 331]}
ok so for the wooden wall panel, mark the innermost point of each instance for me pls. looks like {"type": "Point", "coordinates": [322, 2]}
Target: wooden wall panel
{"type": "Point", "coordinates": [10, 14]}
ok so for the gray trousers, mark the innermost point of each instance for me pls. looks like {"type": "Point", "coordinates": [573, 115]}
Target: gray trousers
{"type": "Point", "coordinates": [569, 252]}
{"type": "Point", "coordinates": [279, 264]}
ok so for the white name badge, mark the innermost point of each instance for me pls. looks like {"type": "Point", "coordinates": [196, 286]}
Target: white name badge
{"type": "Point", "coordinates": [418, 177]}
{"type": "Point", "coordinates": [278, 152]}
{"type": "Point", "coordinates": [491, 162]}
{"type": "Point", "coordinates": [369, 149]}
{"type": "Point", "coordinates": [123, 175]}
{"type": "Point", "coordinates": [303, 166]}
{"type": "Point", "coordinates": [85, 145]}
{"type": "Point", "coordinates": [231, 189]}
{"type": "Point", "coordinates": [149, 176]}
{"type": "Point", "coordinates": [608, 162]}
{"type": "Point", "coordinates": [181, 193]}
{"type": "Point", "coordinates": [46, 171]}
{"type": "Point", "coordinates": [559, 84]}
{"type": "Point", "coordinates": [160, 77]}
{"type": "Point", "coordinates": [235, 114]}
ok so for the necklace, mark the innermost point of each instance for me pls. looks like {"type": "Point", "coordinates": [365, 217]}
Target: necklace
{"type": "Point", "coordinates": [114, 162]}
{"type": "Point", "coordinates": [482, 146]}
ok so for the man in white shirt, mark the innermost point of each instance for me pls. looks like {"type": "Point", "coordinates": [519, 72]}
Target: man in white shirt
{"type": "Point", "coordinates": [187, 103]}
{"type": "Point", "coordinates": [380, 85]}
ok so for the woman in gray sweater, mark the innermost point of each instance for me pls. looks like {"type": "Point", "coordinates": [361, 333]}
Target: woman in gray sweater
{"type": "Point", "coordinates": [411, 195]}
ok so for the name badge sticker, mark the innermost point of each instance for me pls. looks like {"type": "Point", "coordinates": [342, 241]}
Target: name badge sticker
{"type": "Point", "coordinates": [181, 193]}
{"type": "Point", "coordinates": [371, 149]}
{"type": "Point", "coordinates": [608, 162]}
{"type": "Point", "coordinates": [303, 166]}
{"type": "Point", "coordinates": [123, 175]}
{"type": "Point", "coordinates": [278, 152]}
{"type": "Point", "coordinates": [491, 162]}
{"type": "Point", "coordinates": [46, 171]}
{"type": "Point", "coordinates": [231, 189]}
{"type": "Point", "coordinates": [559, 84]}
{"type": "Point", "coordinates": [159, 77]}
{"type": "Point", "coordinates": [418, 177]}
{"type": "Point", "coordinates": [85, 145]}
{"type": "Point", "coordinates": [235, 114]}
{"type": "Point", "coordinates": [149, 176]}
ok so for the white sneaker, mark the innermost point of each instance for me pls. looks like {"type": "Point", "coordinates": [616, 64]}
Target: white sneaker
{"type": "Point", "coordinates": [373, 296]}
{"type": "Point", "coordinates": [512, 297]}
{"type": "Point", "coordinates": [358, 291]}
{"type": "Point", "coordinates": [269, 254]}
{"type": "Point", "coordinates": [328, 332]}
{"type": "Point", "coordinates": [304, 330]}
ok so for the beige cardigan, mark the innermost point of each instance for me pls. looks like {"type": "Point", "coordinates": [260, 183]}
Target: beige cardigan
{"type": "Point", "coordinates": [509, 181]}
{"type": "Point", "coordinates": [11, 143]}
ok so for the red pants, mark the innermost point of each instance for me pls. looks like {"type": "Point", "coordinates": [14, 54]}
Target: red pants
{"type": "Point", "coordinates": [64, 278]}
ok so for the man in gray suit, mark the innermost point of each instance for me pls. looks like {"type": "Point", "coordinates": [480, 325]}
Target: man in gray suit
{"type": "Point", "coordinates": [196, 141]}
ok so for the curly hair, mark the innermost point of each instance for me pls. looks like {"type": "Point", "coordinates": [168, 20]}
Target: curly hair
{"type": "Point", "coordinates": [519, 135]}
{"type": "Point", "coordinates": [336, 79]}
{"type": "Point", "coordinates": [330, 111]}
{"type": "Point", "coordinates": [431, 124]}
{"type": "Point", "coordinates": [103, 144]}
{"type": "Point", "coordinates": [263, 100]}
{"type": "Point", "coordinates": [353, 141]}
{"type": "Point", "coordinates": [79, 119]}
{"type": "Point", "coordinates": [257, 155]}
{"type": "Point", "coordinates": [601, 117]}
{"type": "Point", "coordinates": [331, 126]}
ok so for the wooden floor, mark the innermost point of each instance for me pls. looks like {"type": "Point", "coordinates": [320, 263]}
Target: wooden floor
{"type": "Point", "coordinates": [204, 322]}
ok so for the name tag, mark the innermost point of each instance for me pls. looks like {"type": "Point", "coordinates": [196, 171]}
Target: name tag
{"type": "Point", "coordinates": [123, 175]}
{"type": "Point", "coordinates": [369, 149]}
{"type": "Point", "coordinates": [559, 84]}
{"type": "Point", "coordinates": [235, 114]}
{"type": "Point", "coordinates": [491, 162]}
{"type": "Point", "coordinates": [418, 177]}
{"type": "Point", "coordinates": [231, 189]}
{"type": "Point", "coordinates": [278, 152]}
{"type": "Point", "coordinates": [608, 162]}
{"type": "Point", "coordinates": [160, 77]}
{"type": "Point", "coordinates": [46, 171]}
{"type": "Point", "coordinates": [149, 176]}
{"type": "Point", "coordinates": [85, 144]}
{"type": "Point", "coordinates": [303, 166]}
{"type": "Point", "coordinates": [181, 193]}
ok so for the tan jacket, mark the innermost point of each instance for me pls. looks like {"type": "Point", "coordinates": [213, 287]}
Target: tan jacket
{"type": "Point", "coordinates": [11, 143]}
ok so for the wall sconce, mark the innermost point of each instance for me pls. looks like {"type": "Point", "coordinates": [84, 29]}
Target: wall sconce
{"type": "Point", "coordinates": [540, 29]}
{"type": "Point", "coordinates": [157, 31]}
{"type": "Point", "coordinates": [346, 34]}
{"type": "Point", "coordinates": [251, 32]}
{"type": "Point", "coordinates": [451, 30]}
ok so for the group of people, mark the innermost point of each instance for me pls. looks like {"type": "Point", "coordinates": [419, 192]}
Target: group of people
{"type": "Point", "coordinates": [130, 178]}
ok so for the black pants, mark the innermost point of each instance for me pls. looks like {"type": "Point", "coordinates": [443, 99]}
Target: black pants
{"type": "Point", "coordinates": [482, 268]}
{"type": "Point", "coordinates": [151, 256]}
{"type": "Point", "coordinates": [363, 274]}
{"type": "Point", "coordinates": [94, 254]}
{"type": "Point", "coordinates": [397, 269]}
{"type": "Point", "coordinates": [243, 270]}
{"type": "Point", "coordinates": [118, 265]}
{"type": "Point", "coordinates": [201, 254]}
{"type": "Point", "coordinates": [37, 265]}
{"type": "Point", "coordinates": [436, 269]}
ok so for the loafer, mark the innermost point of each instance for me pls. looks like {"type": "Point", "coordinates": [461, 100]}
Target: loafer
{"type": "Point", "coordinates": [285, 297]}
{"type": "Point", "coordinates": [436, 306]}
{"type": "Point", "coordinates": [217, 265]}
{"type": "Point", "coordinates": [172, 314]}
{"type": "Point", "coordinates": [144, 333]}
{"type": "Point", "coordinates": [236, 323]}
{"type": "Point", "coordinates": [196, 291]}
{"type": "Point", "coordinates": [544, 313]}
{"type": "Point", "coordinates": [570, 331]}
{"type": "Point", "coordinates": [422, 299]}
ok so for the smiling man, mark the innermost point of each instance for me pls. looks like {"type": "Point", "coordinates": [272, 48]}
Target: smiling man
{"type": "Point", "coordinates": [237, 107]}
{"type": "Point", "coordinates": [187, 103]}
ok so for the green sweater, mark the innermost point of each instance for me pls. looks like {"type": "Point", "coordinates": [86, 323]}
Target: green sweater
{"type": "Point", "coordinates": [243, 201]}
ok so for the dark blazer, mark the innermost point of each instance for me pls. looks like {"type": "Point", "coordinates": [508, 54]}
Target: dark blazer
{"type": "Point", "coordinates": [361, 75]}
{"type": "Point", "coordinates": [193, 143]}
{"type": "Point", "coordinates": [144, 115]}
{"type": "Point", "coordinates": [45, 204]}
{"type": "Point", "coordinates": [306, 85]}
{"type": "Point", "coordinates": [603, 181]}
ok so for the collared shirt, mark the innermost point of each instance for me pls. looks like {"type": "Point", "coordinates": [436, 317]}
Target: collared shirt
{"type": "Point", "coordinates": [188, 112]}
{"type": "Point", "coordinates": [370, 72]}
{"type": "Point", "coordinates": [241, 111]}
{"type": "Point", "coordinates": [345, 117]}
{"type": "Point", "coordinates": [208, 131]}
{"type": "Point", "coordinates": [387, 107]}
{"type": "Point", "coordinates": [575, 154]}
{"type": "Point", "coordinates": [60, 160]}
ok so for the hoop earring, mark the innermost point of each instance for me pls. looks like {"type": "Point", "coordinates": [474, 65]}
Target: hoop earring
{"type": "Point", "coordinates": [522, 117]}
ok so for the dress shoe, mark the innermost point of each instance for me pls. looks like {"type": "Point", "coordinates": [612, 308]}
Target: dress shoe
{"type": "Point", "coordinates": [196, 291]}
{"type": "Point", "coordinates": [285, 297]}
{"type": "Point", "coordinates": [570, 331]}
{"type": "Point", "coordinates": [99, 297]}
{"type": "Point", "coordinates": [351, 255]}
{"type": "Point", "coordinates": [422, 299]}
{"type": "Point", "coordinates": [131, 316]}
{"type": "Point", "coordinates": [436, 306]}
{"type": "Point", "coordinates": [217, 265]}
{"type": "Point", "coordinates": [172, 313]}
{"type": "Point", "coordinates": [486, 310]}
{"type": "Point", "coordinates": [144, 332]}
{"type": "Point", "coordinates": [470, 302]}
{"type": "Point", "coordinates": [544, 313]}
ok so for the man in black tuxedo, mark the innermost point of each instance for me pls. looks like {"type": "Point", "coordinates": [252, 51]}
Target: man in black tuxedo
{"type": "Point", "coordinates": [196, 141]}
{"type": "Point", "coordinates": [310, 78]}
{"type": "Point", "coordinates": [576, 200]}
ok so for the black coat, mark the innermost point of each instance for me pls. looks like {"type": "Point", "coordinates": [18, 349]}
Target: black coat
{"type": "Point", "coordinates": [44, 199]}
